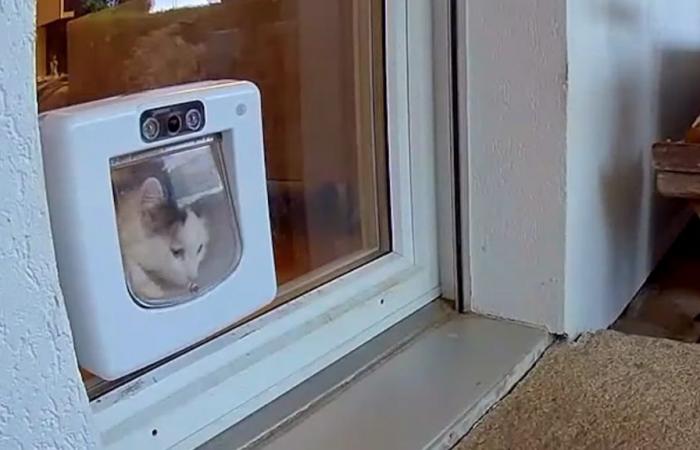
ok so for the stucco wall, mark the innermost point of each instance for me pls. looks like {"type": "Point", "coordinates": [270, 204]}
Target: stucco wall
{"type": "Point", "coordinates": [634, 77]}
{"type": "Point", "coordinates": [516, 94]}
{"type": "Point", "coordinates": [42, 400]}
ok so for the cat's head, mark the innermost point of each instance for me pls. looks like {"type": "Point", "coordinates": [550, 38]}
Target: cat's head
{"type": "Point", "coordinates": [175, 240]}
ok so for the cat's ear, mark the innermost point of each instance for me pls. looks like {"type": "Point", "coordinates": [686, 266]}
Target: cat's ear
{"type": "Point", "coordinates": [151, 193]}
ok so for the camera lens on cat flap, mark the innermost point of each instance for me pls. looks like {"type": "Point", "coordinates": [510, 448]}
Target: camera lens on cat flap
{"type": "Point", "coordinates": [150, 129]}
{"type": "Point", "coordinates": [193, 119]}
{"type": "Point", "coordinates": [174, 124]}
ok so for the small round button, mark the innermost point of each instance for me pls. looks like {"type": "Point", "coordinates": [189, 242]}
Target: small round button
{"type": "Point", "coordinates": [193, 119]}
{"type": "Point", "coordinates": [150, 129]}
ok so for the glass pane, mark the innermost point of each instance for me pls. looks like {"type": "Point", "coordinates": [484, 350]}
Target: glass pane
{"type": "Point", "coordinates": [320, 67]}
{"type": "Point", "coordinates": [171, 204]}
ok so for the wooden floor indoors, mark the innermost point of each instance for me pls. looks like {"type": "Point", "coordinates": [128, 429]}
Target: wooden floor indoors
{"type": "Point", "coordinates": [668, 305]}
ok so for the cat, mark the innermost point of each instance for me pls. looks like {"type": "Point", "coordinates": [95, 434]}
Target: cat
{"type": "Point", "coordinates": [162, 245]}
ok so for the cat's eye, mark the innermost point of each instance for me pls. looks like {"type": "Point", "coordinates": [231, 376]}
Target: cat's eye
{"type": "Point", "coordinates": [178, 252]}
{"type": "Point", "coordinates": [201, 247]}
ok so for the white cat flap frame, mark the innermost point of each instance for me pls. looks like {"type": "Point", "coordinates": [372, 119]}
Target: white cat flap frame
{"type": "Point", "coordinates": [114, 334]}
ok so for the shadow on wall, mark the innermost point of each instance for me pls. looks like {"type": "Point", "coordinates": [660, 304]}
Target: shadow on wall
{"type": "Point", "coordinates": [655, 95]}
{"type": "Point", "coordinates": [624, 178]}
{"type": "Point", "coordinates": [622, 181]}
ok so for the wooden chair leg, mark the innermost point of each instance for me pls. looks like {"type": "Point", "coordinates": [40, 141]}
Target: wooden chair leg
{"type": "Point", "coordinates": [696, 207]}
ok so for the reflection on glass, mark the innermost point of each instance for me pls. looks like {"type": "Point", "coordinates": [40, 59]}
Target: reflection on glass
{"type": "Point", "coordinates": [319, 65]}
{"type": "Point", "coordinates": [157, 6]}
{"type": "Point", "coordinates": [177, 228]}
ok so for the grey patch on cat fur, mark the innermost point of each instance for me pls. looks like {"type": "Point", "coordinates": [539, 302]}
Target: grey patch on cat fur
{"type": "Point", "coordinates": [160, 214]}
{"type": "Point", "coordinates": [161, 219]}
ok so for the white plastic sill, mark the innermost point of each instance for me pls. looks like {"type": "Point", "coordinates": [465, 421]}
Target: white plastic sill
{"type": "Point", "coordinates": [404, 390]}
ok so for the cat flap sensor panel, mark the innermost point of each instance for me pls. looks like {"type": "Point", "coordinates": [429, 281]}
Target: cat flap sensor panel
{"type": "Point", "coordinates": [158, 207]}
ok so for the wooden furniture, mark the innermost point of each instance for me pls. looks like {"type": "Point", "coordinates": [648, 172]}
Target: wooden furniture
{"type": "Point", "coordinates": [677, 166]}
{"type": "Point", "coordinates": [48, 11]}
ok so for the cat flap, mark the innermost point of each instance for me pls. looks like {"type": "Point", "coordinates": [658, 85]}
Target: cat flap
{"type": "Point", "coordinates": [176, 219]}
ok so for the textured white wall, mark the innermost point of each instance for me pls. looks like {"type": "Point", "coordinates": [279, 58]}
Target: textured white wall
{"type": "Point", "coordinates": [517, 158]}
{"type": "Point", "coordinates": [634, 77]}
{"type": "Point", "coordinates": [42, 400]}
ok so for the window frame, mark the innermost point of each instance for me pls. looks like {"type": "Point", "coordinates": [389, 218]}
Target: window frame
{"type": "Point", "coordinates": [187, 401]}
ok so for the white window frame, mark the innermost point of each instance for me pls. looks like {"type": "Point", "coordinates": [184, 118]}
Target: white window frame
{"type": "Point", "coordinates": [189, 400]}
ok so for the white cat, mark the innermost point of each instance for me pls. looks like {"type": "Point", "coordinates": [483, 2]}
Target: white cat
{"type": "Point", "coordinates": [162, 245]}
